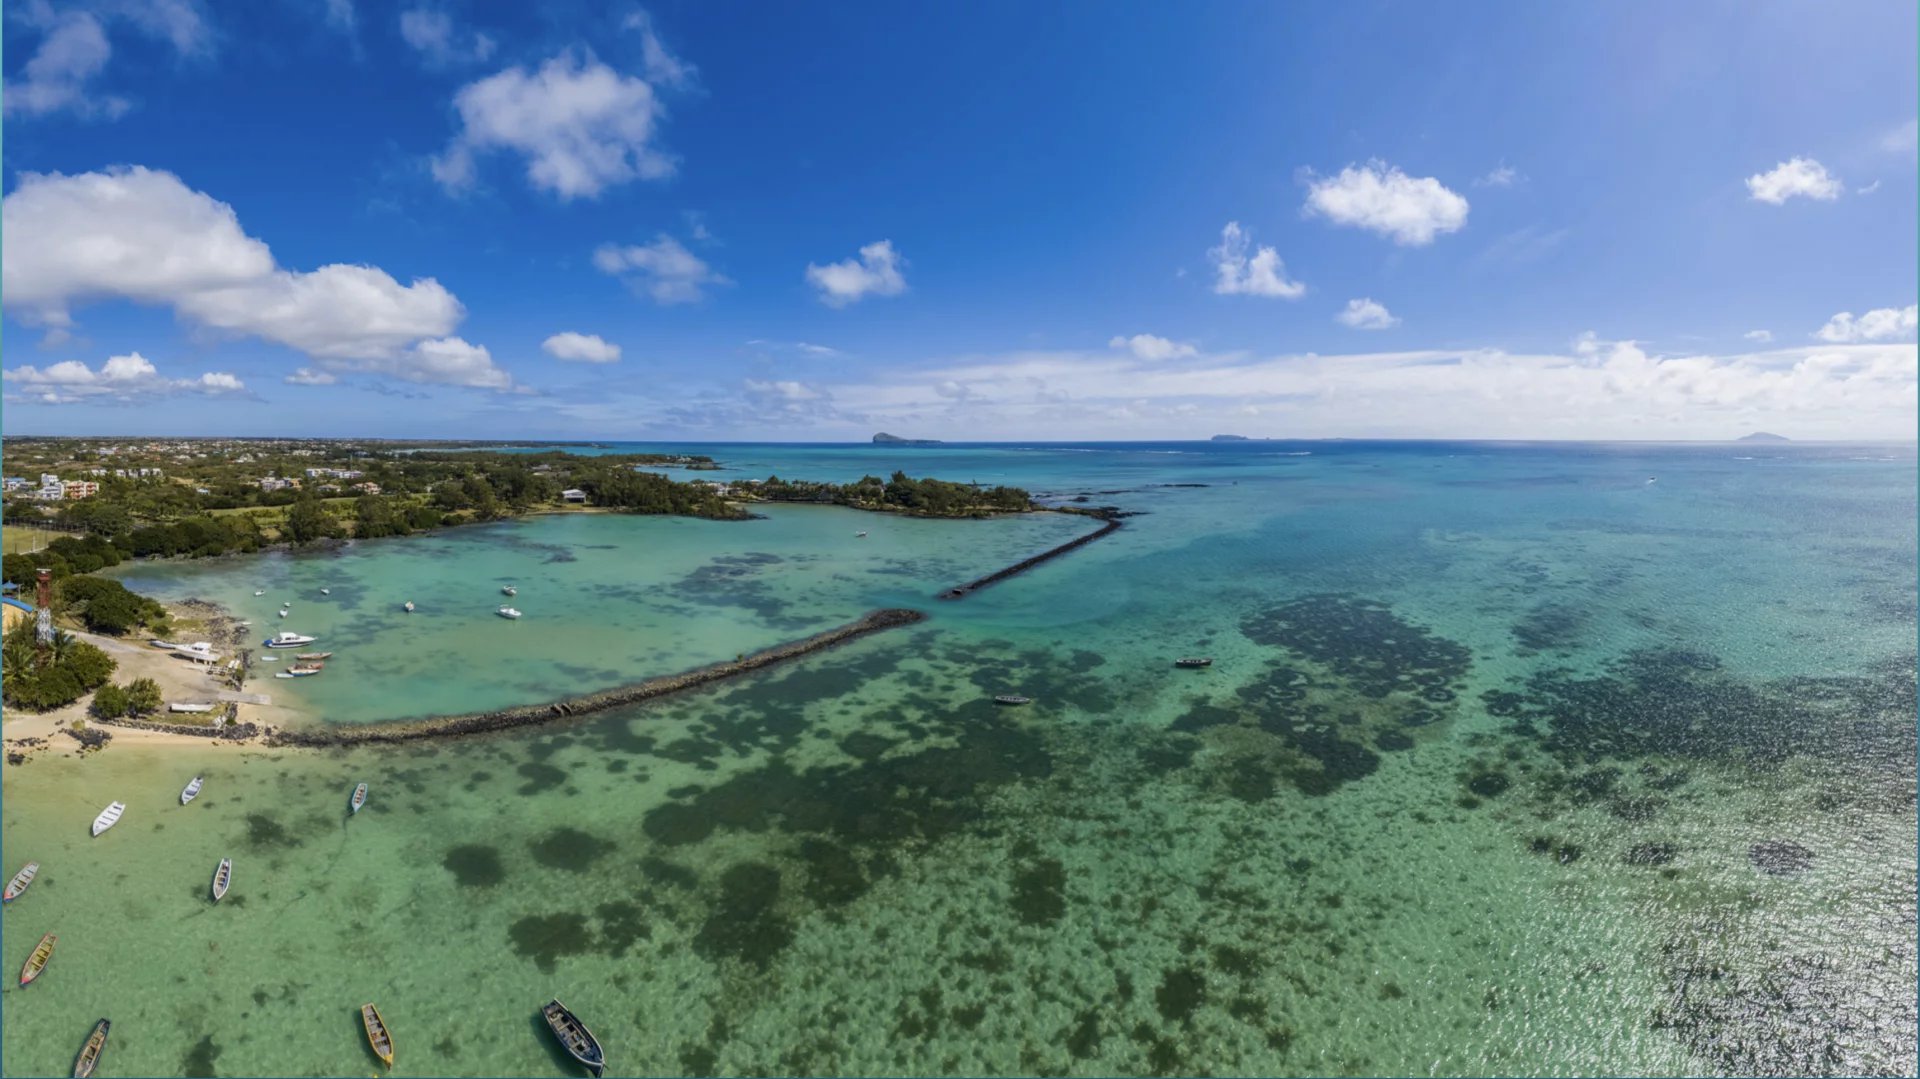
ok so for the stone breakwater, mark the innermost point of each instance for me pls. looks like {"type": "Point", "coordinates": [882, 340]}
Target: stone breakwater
{"type": "Point", "coordinates": [529, 715]}
{"type": "Point", "coordinates": [1025, 564]}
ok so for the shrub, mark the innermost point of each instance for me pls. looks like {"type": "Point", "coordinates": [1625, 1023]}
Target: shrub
{"type": "Point", "coordinates": [109, 702]}
{"type": "Point", "coordinates": [76, 669]}
{"type": "Point", "coordinates": [143, 697]}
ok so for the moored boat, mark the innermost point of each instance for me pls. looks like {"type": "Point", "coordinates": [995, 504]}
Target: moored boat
{"type": "Point", "coordinates": [313, 656]}
{"type": "Point", "coordinates": [859, 535]}
{"type": "Point", "coordinates": [508, 612]}
{"type": "Point", "coordinates": [259, 591]}
{"type": "Point", "coordinates": [20, 880]}
{"type": "Point", "coordinates": [299, 671]}
{"type": "Point", "coordinates": [407, 606]}
{"type": "Point", "coordinates": [37, 962]}
{"type": "Point", "coordinates": [191, 791]}
{"type": "Point", "coordinates": [222, 879]}
{"type": "Point", "coordinates": [509, 590]}
{"type": "Point", "coordinates": [288, 639]}
{"type": "Point", "coordinates": [326, 591]}
{"type": "Point", "coordinates": [1012, 698]}
{"type": "Point", "coordinates": [283, 612]}
{"type": "Point", "coordinates": [89, 1057]}
{"type": "Point", "coordinates": [378, 1036]}
{"type": "Point", "coordinates": [1191, 662]}
{"type": "Point", "coordinates": [108, 817]}
{"type": "Point", "coordinates": [359, 799]}
{"type": "Point", "coordinates": [574, 1037]}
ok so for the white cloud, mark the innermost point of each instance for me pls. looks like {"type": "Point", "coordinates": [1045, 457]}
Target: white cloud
{"type": "Point", "coordinates": [341, 16]}
{"type": "Point", "coordinates": [74, 51]}
{"type": "Point", "coordinates": [1903, 139]}
{"type": "Point", "coordinates": [307, 376]}
{"type": "Point", "coordinates": [875, 273]}
{"type": "Point", "coordinates": [142, 235]}
{"type": "Point", "coordinates": [661, 67]}
{"type": "Point", "coordinates": [1867, 190]}
{"type": "Point", "coordinates": [1504, 176]}
{"type": "Point", "coordinates": [1237, 275]}
{"type": "Point", "coordinates": [129, 378]}
{"type": "Point", "coordinates": [1801, 176]}
{"type": "Point", "coordinates": [1380, 198]}
{"type": "Point", "coordinates": [663, 269]}
{"type": "Point", "coordinates": [1760, 336]}
{"type": "Point", "coordinates": [1876, 325]}
{"type": "Point", "coordinates": [580, 348]}
{"type": "Point", "coordinates": [581, 127]}
{"type": "Point", "coordinates": [1148, 347]}
{"type": "Point", "coordinates": [445, 361]}
{"type": "Point", "coordinates": [442, 44]}
{"type": "Point", "coordinates": [1365, 314]}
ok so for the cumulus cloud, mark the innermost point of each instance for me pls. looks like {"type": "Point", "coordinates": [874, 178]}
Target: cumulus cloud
{"type": "Point", "coordinates": [124, 379]}
{"type": "Point", "coordinates": [579, 125]}
{"type": "Point", "coordinates": [664, 269]}
{"type": "Point", "coordinates": [307, 376]}
{"type": "Point", "coordinates": [74, 50]}
{"type": "Point", "coordinates": [1235, 274]}
{"type": "Point", "coordinates": [142, 235]}
{"type": "Point", "coordinates": [1148, 347]}
{"type": "Point", "coordinates": [875, 273]}
{"type": "Point", "coordinates": [1760, 336]}
{"type": "Point", "coordinates": [1802, 176]}
{"type": "Point", "coordinates": [580, 348]}
{"type": "Point", "coordinates": [1380, 198]}
{"type": "Point", "coordinates": [662, 67]}
{"type": "Point", "coordinates": [1365, 314]}
{"type": "Point", "coordinates": [1879, 324]}
{"type": "Point", "coordinates": [439, 41]}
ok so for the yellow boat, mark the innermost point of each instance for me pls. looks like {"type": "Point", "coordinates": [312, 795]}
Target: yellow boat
{"type": "Point", "coordinates": [37, 962]}
{"type": "Point", "coordinates": [377, 1034]}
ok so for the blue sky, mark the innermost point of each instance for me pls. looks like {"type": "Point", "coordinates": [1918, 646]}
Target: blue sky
{"type": "Point", "coordinates": [1002, 220]}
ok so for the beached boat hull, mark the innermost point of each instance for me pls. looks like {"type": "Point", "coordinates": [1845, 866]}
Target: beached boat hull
{"type": "Point", "coordinates": [20, 881]}
{"type": "Point", "coordinates": [89, 1057]}
{"type": "Point", "coordinates": [378, 1036]}
{"type": "Point", "coordinates": [574, 1037]}
{"type": "Point", "coordinates": [36, 963]}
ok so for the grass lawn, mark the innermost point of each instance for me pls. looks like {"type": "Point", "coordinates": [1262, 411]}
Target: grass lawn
{"type": "Point", "coordinates": [22, 539]}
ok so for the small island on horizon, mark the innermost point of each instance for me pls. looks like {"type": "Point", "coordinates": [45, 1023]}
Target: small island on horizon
{"type": "Point", "coordinates": [885, 439]}
{"type": "Point", "coordinates": [1763, 436]}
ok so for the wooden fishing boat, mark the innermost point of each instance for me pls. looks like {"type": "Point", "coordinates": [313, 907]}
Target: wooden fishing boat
{"type": "Point", "coordinates": [378, 1035]}
{"type": "Point", "coordinates": [359, 799]}
{"type": "Point", "coordinates": [89, 1057]}
{"type": "Point", "coordinates": [574, 1037]}
{"type": "Point", "coordinates": [20, 881]}
{"type": "Point", "coordinates": [222, 879]}
{"type": "Point", "coordinates": [191, 791]}
{"type": "Point", "coordinates": [1193, 662]}
{"type": "Point", "coordinates": [37, 962]}
{"type": "Point", "coordinates": [1012, 698]}
{"type": "Point", "coordinates": [108, 817]}
{"type": "Point", "coordinates": [312, 657]}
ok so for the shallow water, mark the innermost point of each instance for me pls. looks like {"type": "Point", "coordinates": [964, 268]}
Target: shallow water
{"type": "Point", "coordinates": [1509, 762]}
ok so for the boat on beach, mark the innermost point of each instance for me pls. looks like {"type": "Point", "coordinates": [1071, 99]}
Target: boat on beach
{"type": "Point", "coordinates": [1012, 698]}
{"type": "Point", "coordinates": [89, 1057]}
{"type": "Point", "coordinates": [359, 799]}
{"type": "Point", "coordinates": [313, 656]}
{"type": "Point", "coordinates": [508, 612]}
{"type": "Point", "coordinates": [20, 881]}
{"type": "Point", "coordinates": [288, 639]}
{"type": "Point", "coordinates": [378, 1036]}
{"type": "Point", "coordinates": [191, 791]}
{"type": "Point", "coordinates": [574, 1037]}
{"type": "Point", "coordinates": [222, 879]}
{"type": "Point", "coordinates": [1193, 662]}
{"type": "Point", "coordinates": [37, 962]}
{"type": "Point", "coordinates": [108, 817]}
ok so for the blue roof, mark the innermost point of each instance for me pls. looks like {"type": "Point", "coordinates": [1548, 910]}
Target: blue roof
{"type": "Point", "coordinates": [28, 607]}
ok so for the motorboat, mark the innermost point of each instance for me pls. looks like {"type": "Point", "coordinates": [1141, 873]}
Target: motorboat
{"type": "Point", "coordinates": [326, 591]}
{"type": "Point", "coordinates": [359, 799]}
{"type": "Point", "coordinates": [37, 962]}
{"type": "Point", "coordinates": [289, 639]}
{"type": "Point", "coordinates": [108, 817]}
{"type": "Point", "coordinates": [89, 1057]}
{"type": "Point", "coordinates": [574, 1037]}
{"type": "Point", "coordinates": [859, 535]}
{"type": "Point", "coordinates": [407, 606]}
{"type": "Point", "coordinates": [378, 1036]}
{"type": "Point", "coordinates": [222, 879]}
{"type": "Point", "coordinates": [192, 790]}
{"type": "Point", "coordinates": [508, 612]}
{"type": "Point", "coordinates": [259, 591]}
{"type": "Point", "coordinates": [283, 612]}
{"type": "Point", "coordinates": [20, 881]}
{"type": "Point", "coordinates": [509, 590]}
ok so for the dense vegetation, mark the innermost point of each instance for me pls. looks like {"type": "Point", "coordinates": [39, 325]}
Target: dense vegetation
{"type": "Point", "coordinates": [107, 606]}
{"type": "Point", "coordinates": [137, 699]}
{"type": "Point", "coordinates": [901, 494]}
{"type": "Point", "coordinates": [76, 668]}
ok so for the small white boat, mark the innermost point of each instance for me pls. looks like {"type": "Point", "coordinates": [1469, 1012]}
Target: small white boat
{"type": "Point", "coordinates": [407, 606]}
{"type": "Point", "coordinates": [509, 590]}
{"type": "Point", "coordinates": [297, 672]}
{"type": "Point", "coordinates": [244, 624]}
{"type": "Point", "coordinates": [359, 799]}
{"type": "Point", "coordinates": [164, 646]}
{"type": "Point", "coordinates": [191, 707]}
{"type": "Point", "coordinates": [507, 612]}
{"type": "Point", "coordinates": [283, 612]}
{"type": "Point", "coordinates": [326, 591]}
{"type": "Point", "coordinates": [108, 817]}
{"type": "Point", "coordinates": [288, 639]}
{"type": "Point", "coordinates": [20, 881]}
{"type": "Point", "coordinates": [859, 535]}
{"type": "Point", "coordinates": [259, 591]}
{"type": "Point", "coordinates": [192, 791]}
{"type": "Point", "coordinates": [222, 879]}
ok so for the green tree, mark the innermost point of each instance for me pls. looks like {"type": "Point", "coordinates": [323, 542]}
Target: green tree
{"type": "Point", "coordinates": [143, 697]}
{"type": "Point", "coordinates": [109, 702]}
{"type": "Point", "coordinates": [308, 521]}
{"type": "Point", "coordinates": [76, 668]}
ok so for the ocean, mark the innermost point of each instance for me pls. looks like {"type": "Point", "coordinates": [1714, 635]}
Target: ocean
{"type": "Point", "coordinates": [1546, 759]}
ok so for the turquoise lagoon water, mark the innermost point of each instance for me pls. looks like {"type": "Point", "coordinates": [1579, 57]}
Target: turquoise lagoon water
{"type": "Point", "coordinates": [1511, 761]}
